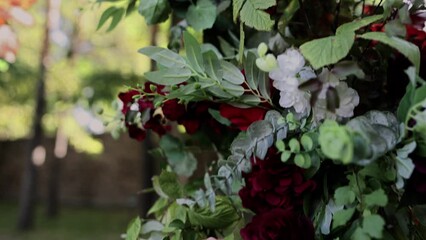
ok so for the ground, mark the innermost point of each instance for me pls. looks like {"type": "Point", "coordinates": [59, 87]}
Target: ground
{"type": "Point", "coordinates": [73, 223]}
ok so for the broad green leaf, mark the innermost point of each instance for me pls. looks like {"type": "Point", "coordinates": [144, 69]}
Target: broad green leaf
{"type": "Point", "coordinates": [164, 57]}
{"type": "Point", "coordinates": [251, 70]}
{"type": "Point", "coordinates": [151, 226]}
{"type": "Point", "coordinates": [231, 73]}
{"type": "Point", "coordinates": [212, 66]}
{"type": "Point", "coordinates": [193, 52]}
{"type": "Point", "coordinates": [325, 51]}
{"type": "Point", "coordinates": [169, 76]}
{"type": "Point", "coordinates": [224, 215]}
{"type": "Point", "coordinates": [134, 229]}
{"type": "Point", "coordinates": [405, 103]}
{"type": "Point", "coordinates": [159, 205]}
{"type": "Point", "coordinates": [236, 7]}
{"type": "Point", "coordinates": [154, 11]}
{"type": "Point", "coordinates": [264, 84]}
{"type": "Point", "coordinates": [182, 162]}
{"type": "Point", "coordinates": [341, 217]}
{"type": "Point", "coordinates": [344, 195]}
{"type": "Point", "coordinates": [201, 16]}
{"type": "Point", "coordinates": [169, 184]}
{"type": "Point", "coordinates": [357, 24]}
{"type": "Point", "coordinates": [359, 234]}
{"type": "Point", "coordinates": [252, 15]}
{"type": "Point", "coordinates": [226, 48]}
{"type": "Point", "coordinates": [157, 187]}
{"type": "Point", "coordinates": [216, 115]}
{"type": "Point", "coordinates": [373, 226]}
{"type": "Point", "coordinates": [376, 198]}
{"type": "Point", "coordinates": [409, 50]}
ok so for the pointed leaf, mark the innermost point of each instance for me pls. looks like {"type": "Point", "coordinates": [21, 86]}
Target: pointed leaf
{"type": "Point", "coordinates": [201, 16]}
{"type": "Point", "coordinates": [193, 52]}
{"type": "Point", "coordinates": [164, 56]}
{"type": "Point", "coordinates": [169, 76]}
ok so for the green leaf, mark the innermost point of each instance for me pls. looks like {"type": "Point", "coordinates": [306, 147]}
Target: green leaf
{"type": "Point", "coordinates": [216, 115]}
{"type": "Point", "coordinates": [105, 16]}
{"type": "Point", "coordinates": [154, 11]}
{"type": "Point", "coordinates": [212, 66]}
{"type": "Point", "coordinates": [182, 162]}
{"type": "Point", "coordinates": [133, 229]}
{"type": "Point", "coordinates": [159, 205]}
{"type": "Point", "coordinates": [251, 70]}
{"type": "Point", "coordinates": [326, 51]}
{"type": "Point", "coordinates": [151, 226]}
{"type": "Point", "coordinates": [329, 50]}
{"type": "Point", "coordinates": [357, 24]}
{"type": "Point", "coordinates": [224, 215]}
{"type": "Point", "coordinates": [164, 57]}
{"type": "Point", "coordinates": [409, 50]}
{"type": "Point", "coordinates": [250, 100]}
{"type": "Point", "coordinates": [231, 73]}
{"type": "Point", "coordinates": [169, 76]}
{"type": "Point", "coordinates": [234, 90]}
{"type": "Point", "coordinates": [201, 16]}
{"type": "Point", "coordinates": [193, 52]}
{"type": "Point", "coordinates": [264, 85]}
{"type": "Point", "coordinates": [116, 14]}
{"type": "Point", "coordinates": [373, 225]}
{"type": "Point", "coordinates": [252, 15]}
{"type": "Point", "coordinates": [359, 234]}
{"type": "Point", "coordinates": [344, 196]}
{"type": "Point", "coordinates": [341, 217]}
{"type": "Point", "coordinates": [169, 184]}
{"type": "Point", "coordinates": [236, 7]}
{"type": "Point", "coordinates": [376, 198]}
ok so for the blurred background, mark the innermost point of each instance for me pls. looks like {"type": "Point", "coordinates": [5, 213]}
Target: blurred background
{"type": "Point", "coordinates": [67, 171]}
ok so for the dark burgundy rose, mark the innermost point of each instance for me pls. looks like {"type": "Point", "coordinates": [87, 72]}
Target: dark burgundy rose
{"type": "Point", "coordinates": [274, 184]}
{"type": "Point", "coordinates": [241, 117]}
{"type": "Point", "coordinates": [173, 110]}
{"type": "Point", "coordinates": [127, 99]}
{"type": "Point", "coordinates": [196, 115]}
{"type": "Point", "coordinates": [136, 133]}
{"type": "Point", "coordinates": [279, 224]}
{"type": "Point", "coordinates": [418, 178]}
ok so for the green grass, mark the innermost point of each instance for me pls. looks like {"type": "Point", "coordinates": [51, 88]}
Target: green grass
{"type": "Point", "coordinates": [72, 224]}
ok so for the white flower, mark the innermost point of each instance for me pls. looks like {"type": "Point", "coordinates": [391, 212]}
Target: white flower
{"type": "Point", "coordinates": [295, 98]}
{"type": "Point", "coordinates": [348, 99]}
{"type": "Point", "coordinates": [291, 72]}
{"type": "Point", "coordinates": [328, 79]}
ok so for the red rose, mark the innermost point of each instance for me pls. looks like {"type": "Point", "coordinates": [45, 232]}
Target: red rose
{"type": "Point", "coordinates": [278, 224]}
{"type": "Point", "coordinates": [241, 117]}
{"type": "Point", "coordinates": [274, 184]}
{"type": "Point", "coordinates": [135, 132]}
{"type": "Point", "coordinates": [173, 110]}
{"type": "Point", "coordinates": [127, 99]}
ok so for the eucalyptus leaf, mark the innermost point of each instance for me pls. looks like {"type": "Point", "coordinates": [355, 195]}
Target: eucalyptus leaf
{"type": "Point", "coordinates": [231, 73]}
{"type": "Point", "coordinates": [251, 70]}
{"type": "Point", "coordinates": [212, 66]}
{"type": "Point", "coordinates": [164, 57]}
{"type": "Point", "coordinates": [193, 52]}
{"type": "Point", "coordinates": [169, 76]}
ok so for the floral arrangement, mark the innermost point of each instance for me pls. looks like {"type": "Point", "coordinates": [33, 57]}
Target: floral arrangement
{"type": "Point", "coordinates": [315, 112]}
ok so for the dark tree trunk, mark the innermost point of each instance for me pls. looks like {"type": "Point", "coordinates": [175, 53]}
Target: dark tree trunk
{"type": "Point", "coordinates": [53, 188]}
{"type": "Point", "coordinates": [147, 199]}
{"type": "Point", "coordinates": [29, 177]}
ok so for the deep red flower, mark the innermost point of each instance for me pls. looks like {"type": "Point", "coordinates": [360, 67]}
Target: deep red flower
{"type": "Point", "coordinates": [274, 184]}
{"type": "Point", "coordinates": [127, 99]}
{"type": "Point", "coordinates": [173, 110]}
{"type": "Point", "coordinates": [278, 224]}
{"type": "Point", "coordinates": [135, 132]}
{"type": "Point", "coordinates": [241, 117]}
{"type": "Point", "coordinates": [418, 178]}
